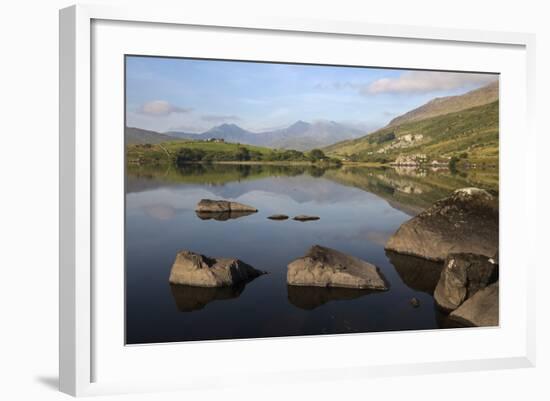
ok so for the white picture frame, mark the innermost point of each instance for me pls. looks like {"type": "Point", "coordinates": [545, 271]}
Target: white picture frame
{"type": "Point", "coordinates": [82, 344]}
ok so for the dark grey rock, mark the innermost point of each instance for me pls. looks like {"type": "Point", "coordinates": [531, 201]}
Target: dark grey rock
{"type": "Point", "coordinates": [278, 217]}
{"type": "Point", "coordinates": [303, 217]}
{"type": "Point", "coordinates": [462, 276]}
{"type": "Point", "coordinates": [481, 310]}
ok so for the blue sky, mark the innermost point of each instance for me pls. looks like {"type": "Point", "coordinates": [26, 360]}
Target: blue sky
{"type": "Point", "coordinates": [164, 94]}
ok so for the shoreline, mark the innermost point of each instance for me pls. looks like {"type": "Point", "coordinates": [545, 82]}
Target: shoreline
{"type": "Point", "coordinates": [295, 163]}
{"type": "Point", "coordinates": [319, 165]}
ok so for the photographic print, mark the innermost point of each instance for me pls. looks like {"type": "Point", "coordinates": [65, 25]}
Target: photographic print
{"type": "Point", "coordinates": [275, 199]}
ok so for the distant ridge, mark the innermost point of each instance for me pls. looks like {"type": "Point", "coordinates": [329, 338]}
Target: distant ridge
{"type": "Point", "coordinates": [134, 136]}
{"type": "Point", "coordinates": [450, 104]}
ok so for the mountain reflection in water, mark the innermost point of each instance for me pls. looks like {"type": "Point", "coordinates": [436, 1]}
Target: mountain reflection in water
{"type": "Point", "coordinates": [359, 207]}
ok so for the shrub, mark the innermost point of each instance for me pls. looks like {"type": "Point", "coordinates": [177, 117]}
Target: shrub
{"type": "Point", "coordinates": [316, 154]}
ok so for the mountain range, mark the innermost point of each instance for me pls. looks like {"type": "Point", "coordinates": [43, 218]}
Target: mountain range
{"type": "Point", "coordinates": [300, 136]}
{"type": "Point", "coordinates": [441, 128]}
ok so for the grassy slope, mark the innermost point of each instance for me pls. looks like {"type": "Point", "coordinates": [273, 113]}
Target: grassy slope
{"type": "Point", "coordinates": [450, 104]}
{"type": "Point", "coordinates": [474, 131]}
{"type": "Point", "coordinates": [142, 136]}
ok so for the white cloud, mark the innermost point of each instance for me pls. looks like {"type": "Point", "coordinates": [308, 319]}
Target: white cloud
{"type": "Point", "coordinates": [160, 108]}
{"type": "Point", "coordinates": [426, 81]}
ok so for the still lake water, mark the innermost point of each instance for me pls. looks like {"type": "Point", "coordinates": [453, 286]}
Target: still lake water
{"type": "Point", "coordinates": [359, 209]}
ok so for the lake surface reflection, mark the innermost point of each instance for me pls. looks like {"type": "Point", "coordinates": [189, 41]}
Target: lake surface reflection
{"type": "Point", "coordinates": [359, 209]}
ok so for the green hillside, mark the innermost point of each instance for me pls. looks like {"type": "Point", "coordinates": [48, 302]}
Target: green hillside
{"type": "Point", "coordinates": [468, 135]}
{"type": "Point", "coordinates": [450, 104]}
{"type": "Point", "coordinates": [167, 152]}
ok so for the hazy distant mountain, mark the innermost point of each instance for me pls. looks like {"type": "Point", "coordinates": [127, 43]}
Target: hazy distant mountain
{"type": "Point", "coordinates": [300, 136]}
{"type": "Point", "coordinates": [450, 104]}
{"type": "Point", "coordinates": [142, 136]}
{"type": "Point", "coordinates": [231, 133]}
{"type": "Point", "coordinates": [305, 136]}
{"type": "Point", "coordinates": [227, 132]}
{"type": "Point", "coordinates": [181, 134]}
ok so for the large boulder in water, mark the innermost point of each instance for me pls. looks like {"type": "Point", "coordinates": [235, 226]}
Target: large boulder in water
{"type": "Point", "coordinates": [465, 222]}
{"type": "Point", "coordinates": [193, 269]}
{"type": "Point", "coordinates": [325, 267]}
{"type": "Point", "coordinates": [463, 275]}
{"type": "Point", "coordinates": [220, 206]}
{"type": "Point", "coordinates": [480, 310]}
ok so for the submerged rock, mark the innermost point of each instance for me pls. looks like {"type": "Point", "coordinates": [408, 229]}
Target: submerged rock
{"type": "Point", "coordinates": [480, 310]}
{"type": "Point", "coordinates": [303, 217]}
{"type": "Point", "coordinates": [194, 269]}
{"type": "Point", "coordinates": [222, 216]}
{"type": "Point", "coordinates": [219, 206]}
{"type": "Point", "coordinates": [465, 222]}
{"type": "Point", "coordinates": [278, 217]}
{"type": "Point", "coordinates": [325, 267]}
{"type": "Point", "coordinates": [463, 275]}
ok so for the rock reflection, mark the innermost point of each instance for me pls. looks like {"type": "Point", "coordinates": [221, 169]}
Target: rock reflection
{"type": "Point", "coordinates": [417, 273]}
{"type": "Point", "coordinates": [189, 298]}
{"type": "Point", "coordinates": [222, 216]}
{"type": "Point", "coordinates": [312, 297]}
{"type": "Point", "coordinates": [444, 322]}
